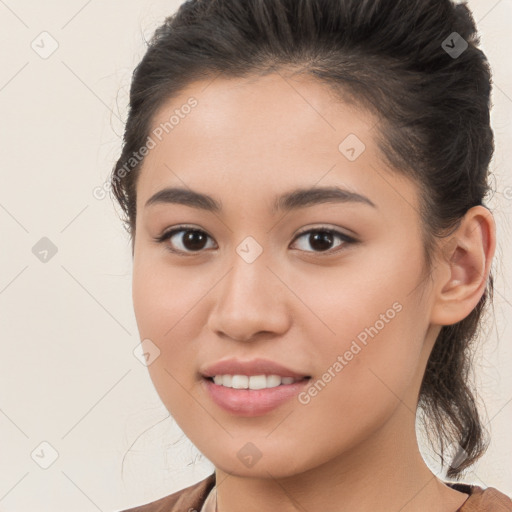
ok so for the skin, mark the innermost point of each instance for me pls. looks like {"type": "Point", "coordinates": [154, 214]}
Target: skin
{"type": "Point", "coordinates": [353, 446]}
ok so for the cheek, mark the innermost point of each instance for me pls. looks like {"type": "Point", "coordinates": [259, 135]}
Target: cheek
{"type": "Point", "coordinates": [165, 296]}
{"type": "Point", "coordinates": [169, 311]}
{"type": "Point", "coordinates": [365, 375]}
{"type": "Point", "coordinates": [370, 344]}
{"type": "Point", "coordinates": [364, 289]}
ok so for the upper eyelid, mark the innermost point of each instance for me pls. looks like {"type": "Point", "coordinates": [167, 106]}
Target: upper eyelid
{"type": "Point", "coordinates": [167, 234]}
{"type": "Point", "coordinates": [177, 229]}
{"type": "Point", "coordinates": [337, 231]}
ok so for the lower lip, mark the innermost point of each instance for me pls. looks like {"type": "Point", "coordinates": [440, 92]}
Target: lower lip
{"type": "Point", "coordinates": [252, 402]}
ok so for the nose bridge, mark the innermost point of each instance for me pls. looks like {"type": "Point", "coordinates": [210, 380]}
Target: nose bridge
{"type": "Point", "coordinates": [247, 279]}
{"type": "Point", "coordinates": [249, 272]}
{"type": "Point", "coordinates": [249, 299]}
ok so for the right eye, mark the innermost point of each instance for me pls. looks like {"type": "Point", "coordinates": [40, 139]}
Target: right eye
{"type": "Point", "coordinates": [184, 240]}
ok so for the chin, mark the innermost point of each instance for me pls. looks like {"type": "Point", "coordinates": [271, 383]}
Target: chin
{"type": "Point", "coordinates": [273, 465]}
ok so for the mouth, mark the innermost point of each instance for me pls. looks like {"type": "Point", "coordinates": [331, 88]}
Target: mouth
{"type": "Point", "coordinates": [251, 387]}
{"type": "Point", "coordinates": [252, 395]}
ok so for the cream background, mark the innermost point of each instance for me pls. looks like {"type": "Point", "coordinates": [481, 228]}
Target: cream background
{"type": "Point", "coordinates": [68, 375]}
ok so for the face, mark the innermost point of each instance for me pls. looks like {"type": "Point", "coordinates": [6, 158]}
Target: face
{"type": "Point", "coordinates": [326, 284]}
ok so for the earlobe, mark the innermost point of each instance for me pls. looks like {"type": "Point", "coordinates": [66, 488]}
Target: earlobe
{"type": "Point", "coordinates": [463, 272]}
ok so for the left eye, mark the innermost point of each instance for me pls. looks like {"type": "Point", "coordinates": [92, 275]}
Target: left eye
{"type": "Point", "coordinates": [321, 240]}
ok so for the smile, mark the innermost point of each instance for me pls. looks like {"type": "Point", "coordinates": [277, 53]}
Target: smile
{"type": "Point", "coordinates": [273, 391]}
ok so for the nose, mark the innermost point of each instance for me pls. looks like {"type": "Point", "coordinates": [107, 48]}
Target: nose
{"type": "Point", "coordinates": [250, 302]}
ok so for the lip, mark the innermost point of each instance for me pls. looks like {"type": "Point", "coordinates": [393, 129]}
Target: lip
{"type": "Point", "coordinates": [251, 402]}
{"type": "Point", "coordinates": [257, 366]}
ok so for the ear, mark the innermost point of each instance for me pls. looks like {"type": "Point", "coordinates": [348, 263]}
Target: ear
{"type": "Point", "coordinates": [463, 269]}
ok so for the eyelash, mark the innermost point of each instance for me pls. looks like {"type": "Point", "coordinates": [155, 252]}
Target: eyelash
{"type": "Point", "coordinates": [342, 236]}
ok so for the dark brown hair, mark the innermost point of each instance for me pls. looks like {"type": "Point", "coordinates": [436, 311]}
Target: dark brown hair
{"type": "Point", "coordinates": [413, 63]}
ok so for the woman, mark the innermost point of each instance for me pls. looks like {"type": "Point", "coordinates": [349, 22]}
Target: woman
{"type": "Point", "coordinates": [303, 182]}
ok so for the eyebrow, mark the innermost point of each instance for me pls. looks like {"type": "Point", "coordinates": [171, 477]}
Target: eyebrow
{"type": "Point", "coordinates": [299, 198]}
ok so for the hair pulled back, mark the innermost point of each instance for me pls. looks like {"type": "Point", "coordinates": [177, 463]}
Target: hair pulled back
{"type": "Point", "coordinates": [389, 57]}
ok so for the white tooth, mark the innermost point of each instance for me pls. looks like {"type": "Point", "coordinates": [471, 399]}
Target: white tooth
{"type": "Point", "coordinates": [257, 382]}
{"type": "Point", "coordinates": [273, 381]}
{"type": "Point", "coordinates": [240, 382]}
{"type": "Point", "coordinates": [252, 382]}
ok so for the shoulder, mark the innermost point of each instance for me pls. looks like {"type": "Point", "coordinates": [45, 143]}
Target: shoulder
{"type": "Point", "coordinates": [483, 500]}
{"type": "Point", "coordinates": [190, 499]}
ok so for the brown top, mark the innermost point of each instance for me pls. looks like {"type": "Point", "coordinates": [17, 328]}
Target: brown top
{"type": "Point", "coordinates": [192, 499]}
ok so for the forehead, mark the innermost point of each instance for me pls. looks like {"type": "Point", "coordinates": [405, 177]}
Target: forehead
{"type": "Point", "coordinates": [275, 130]}
{"type": "Point", "coordinates": [274, 107]}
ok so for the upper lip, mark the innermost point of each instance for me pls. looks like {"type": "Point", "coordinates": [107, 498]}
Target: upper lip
{"type": "Point", "coordinates": [252, 367]}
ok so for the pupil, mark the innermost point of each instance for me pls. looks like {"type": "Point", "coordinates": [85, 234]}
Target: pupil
{"type": "Point", "coordinates": [194, 240]}
{"type": "Point", "coordinates": [321, 240]}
